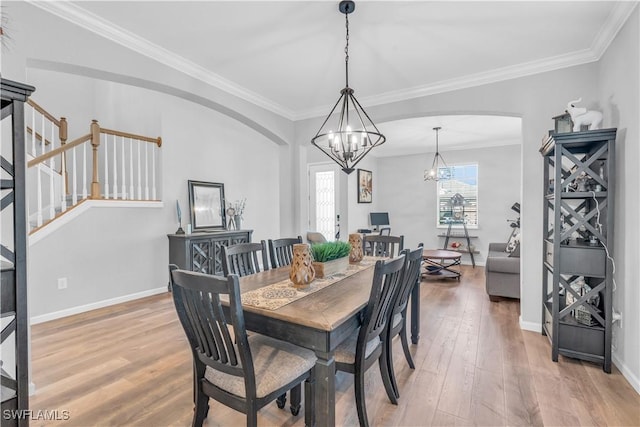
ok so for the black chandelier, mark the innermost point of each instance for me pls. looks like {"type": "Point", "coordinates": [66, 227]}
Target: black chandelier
{"type": "Point", "coordinates": [353, 134]}
{"type": "Point", "coordinates": [437, 173]}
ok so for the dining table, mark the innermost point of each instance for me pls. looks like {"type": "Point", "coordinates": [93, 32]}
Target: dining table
{"type": "Point", "coordinates": [319, 321]}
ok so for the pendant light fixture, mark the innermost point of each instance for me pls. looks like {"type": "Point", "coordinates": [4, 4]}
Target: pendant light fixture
{"type": "Point", "coordinates": [350, 134]}
{"type": "Point", "coordinates": [435, 173]}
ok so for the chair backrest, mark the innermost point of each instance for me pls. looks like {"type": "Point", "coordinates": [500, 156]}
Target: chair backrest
{"type": "Point", "coordinates": [281, 251]}
{"type": "Point", "coordinates": [242, 259]}
{"type": "Point", "coordinates": [386, 278]}
{"type": "Point", "coordinates": [385, 231]}
{"type": "Point", "coordinates": [196, 297]}
{"type": "Point", "coordinates": [383, 246]}
{"type": "Point", "coordinates": [315, 237]}
{"type": "Point", "coordinates": [410, 276]}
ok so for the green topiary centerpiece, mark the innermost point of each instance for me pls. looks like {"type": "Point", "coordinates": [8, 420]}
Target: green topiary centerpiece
{"type": "Point", "coordinates": [328, 251]}
{"type": "Point", "coordinates": [330, 258]}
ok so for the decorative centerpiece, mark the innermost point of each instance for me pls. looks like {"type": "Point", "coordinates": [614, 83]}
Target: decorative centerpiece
{"type": "Point", "coordinates": [330, 258]}
{"type": "Point", "coordinates": [235, 211]}
{"type": "Point", "coordinates": [302, 270]}
{"type": "Point", "coordinates": [355, 254]}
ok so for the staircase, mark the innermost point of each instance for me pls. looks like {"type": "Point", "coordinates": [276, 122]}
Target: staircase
{"type": "Point", "coordinates": [104, 165]}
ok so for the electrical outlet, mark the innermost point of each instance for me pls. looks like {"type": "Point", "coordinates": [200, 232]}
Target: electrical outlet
{"type": "Point", "coordinates": [62, 283]}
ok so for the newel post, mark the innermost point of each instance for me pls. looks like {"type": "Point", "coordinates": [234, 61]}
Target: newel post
{"type": "Point", "coordinates": [95, 143]}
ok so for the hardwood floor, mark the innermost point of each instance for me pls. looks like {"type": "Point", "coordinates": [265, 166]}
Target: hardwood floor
{"type": "Point", "coordinates": [129, 365]}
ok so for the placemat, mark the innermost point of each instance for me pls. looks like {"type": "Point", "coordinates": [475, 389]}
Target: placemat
{"type": "Point", "coordinates": [277, 295]}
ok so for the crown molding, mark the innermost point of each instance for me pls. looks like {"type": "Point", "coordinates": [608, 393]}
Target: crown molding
{"type": "Point", "coordinates": [111, 31]}
{"type": "Point", "coordinates": [614, 23]}
{"type": "Point", "coordinates": [107, 29]}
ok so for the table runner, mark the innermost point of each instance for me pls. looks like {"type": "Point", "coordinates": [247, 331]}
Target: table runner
{"type": "Point", "coordinates": [279, 294]}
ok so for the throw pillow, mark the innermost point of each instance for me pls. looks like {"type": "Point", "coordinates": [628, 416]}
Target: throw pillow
{"type": "Point", "coordinates": [513, 242]}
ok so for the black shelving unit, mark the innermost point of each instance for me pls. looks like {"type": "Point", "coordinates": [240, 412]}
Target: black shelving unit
{"type": "Point", "coordinates": [14, 390]}
{"type": "Point", "coordinates": [579, 172]}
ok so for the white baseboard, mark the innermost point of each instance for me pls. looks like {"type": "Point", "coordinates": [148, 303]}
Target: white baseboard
{"type": "Point", "coordinates": [626, 372]}
{"type": "Point", "coordinates": [530, 326]}
{"type": "Point", "coordinates": [95, 305]}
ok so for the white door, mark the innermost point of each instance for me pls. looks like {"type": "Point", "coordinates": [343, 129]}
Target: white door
{"type": "Point", "coordinates": [324, 200]}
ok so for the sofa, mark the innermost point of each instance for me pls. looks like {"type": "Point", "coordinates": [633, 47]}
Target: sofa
{"type": "Point", "coordinates": [502, 271]}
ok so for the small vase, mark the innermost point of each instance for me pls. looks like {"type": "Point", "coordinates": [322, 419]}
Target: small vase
{"type": "Point", "coordinates": [237, 220]}
{"type": "Point", "coordinates": [302, 272]}
{"type": "Point", "coordinates": [356, 255]}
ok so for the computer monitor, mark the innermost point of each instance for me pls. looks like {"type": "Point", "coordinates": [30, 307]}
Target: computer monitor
{"type": "Point", "coordinates": [378, 218]}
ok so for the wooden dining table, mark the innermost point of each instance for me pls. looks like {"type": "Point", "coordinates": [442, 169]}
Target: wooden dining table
{"type": "Point", "coordinates": [319, 321]}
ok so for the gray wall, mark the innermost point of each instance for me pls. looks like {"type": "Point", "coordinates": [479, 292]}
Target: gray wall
{"type": "Point", "coordinates": [411, 202]}
{"type": "Point", "coordinates": [619, 95]}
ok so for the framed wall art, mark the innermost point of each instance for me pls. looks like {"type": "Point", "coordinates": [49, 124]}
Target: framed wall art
{"type": "Point", "coordinates": [365, 186]}
{"type": "Point", "coordinates": [206, 200]}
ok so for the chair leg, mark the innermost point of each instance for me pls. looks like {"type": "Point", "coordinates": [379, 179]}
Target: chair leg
{"type": "Point", "coordinates": [252, 416]}
{"type": "Point", "coordinates": [405, 344]}
{"type": "Point", "coordinates": [296, 396]}
{"type": "Point", "coordinates": [281, 401]}
{"type": "Point", "coordinates": [309, 401]}
{"type": "Point", "coordinates": [386, 371]}
{"type": "Point", "coordinates": [202, 407]}
{"type": "Point", "coordinates": [361, 404]}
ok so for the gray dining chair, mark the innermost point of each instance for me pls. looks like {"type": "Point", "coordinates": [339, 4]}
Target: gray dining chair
{"type": "Point", "coordinates": [281, 251]}
{"type": "Point", "coordinates": [244, 258]}
{"type": "Point", "coordinates": [365, 346]}
{"type": "Point", "coordinates": [398, 318]}
{"type": "Point", "coordinates": [242, 372]}
{"type": "Point", "coordinates": [382, 246]}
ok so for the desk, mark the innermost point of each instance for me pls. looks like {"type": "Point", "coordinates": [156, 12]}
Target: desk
{"type": "Point", "coordinates": [441, 262]}
{"type": "Point", "coordinates": [320, 322]}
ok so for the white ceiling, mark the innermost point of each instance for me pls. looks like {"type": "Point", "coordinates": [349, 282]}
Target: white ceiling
{"type": "Point", "coordinates": [288, 56]}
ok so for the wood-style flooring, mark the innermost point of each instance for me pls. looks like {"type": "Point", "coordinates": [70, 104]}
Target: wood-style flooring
{"type": "Point", "coordinates": [129, 365]}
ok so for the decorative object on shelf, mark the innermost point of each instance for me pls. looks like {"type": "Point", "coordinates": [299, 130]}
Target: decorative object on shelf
{"type": "Point", "coordinates": [179, 212]}
{"type": "Point", "coordinates": [563, 123]}
{"type": "Point", "coordinates": [302, 271]}
{"type": "Point", "coordinates": [456, 245]}
{"type": "Point", "coordinates": [581, 116]}
{"type": "Point", "coordinates": [581, 314]}
{"type": "Point", "coordinates": [353, 134]}
{"type": "Point", "coordinates": [330, 258]}
{"type": "Point", "coordinates": [356, 254]}
{"type": "Point", "coordinates": [365, 186]}
{"type": "Point", "coordinates": [206, 200]}
{"type": "Point", "coordinates": [437, 173]}
{"type": "Point", "coordinates": [235, 211]}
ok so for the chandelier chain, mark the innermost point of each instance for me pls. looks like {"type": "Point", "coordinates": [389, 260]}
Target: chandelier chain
{"type": "Point", "coordinates": [346, 50]}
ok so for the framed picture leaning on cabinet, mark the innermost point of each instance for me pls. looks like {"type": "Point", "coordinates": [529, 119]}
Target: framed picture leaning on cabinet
{"type": "Point", "coordinates": [207, 206]}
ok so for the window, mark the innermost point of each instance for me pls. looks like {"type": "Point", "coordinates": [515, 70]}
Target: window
{"type": "Point", "coordinates": [464, 180]}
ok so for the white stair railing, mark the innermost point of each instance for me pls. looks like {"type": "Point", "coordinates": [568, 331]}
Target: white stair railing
{"type": "Point", "coordinates": [57, 186]}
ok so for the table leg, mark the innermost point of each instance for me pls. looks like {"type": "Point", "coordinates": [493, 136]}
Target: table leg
{"type": "Point", "coordinates": [325, 390]}
{"type": "Point", "coordinates": [415, 312]}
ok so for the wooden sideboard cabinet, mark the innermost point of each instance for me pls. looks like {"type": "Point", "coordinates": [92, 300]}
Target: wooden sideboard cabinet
{"type": "Point", "coordinates": [203, 251]}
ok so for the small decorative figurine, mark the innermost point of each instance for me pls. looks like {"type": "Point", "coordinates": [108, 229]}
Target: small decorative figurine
{"type": "Point", "coordinates": [302, 271]}
{"type": "Point", "coordinates": [580, 116]}
{"type": "Point", "coordinates": [355, 255]}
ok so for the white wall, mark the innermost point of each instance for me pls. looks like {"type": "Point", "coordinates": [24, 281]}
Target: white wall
{"type": "Point", "coordinates": [411, 202]}
{"type": "Point", "coordinates": [110, 253]}
{"type": "Point", "coordinates": [618, 74]}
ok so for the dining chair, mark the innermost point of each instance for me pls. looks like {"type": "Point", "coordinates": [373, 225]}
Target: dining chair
{"type": "Point", "coordinates": [242, 372]}
{"type": "Point", "coordinates": [242, 258]}
{"type": "Point", "coordinates": [382, 246]}
{"type": "Point", "coordinates": [365, 346]}
{"type": "Point", "coordinates": [398, 317]}
{"type": "Point", "coordinates": [281, 251]}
